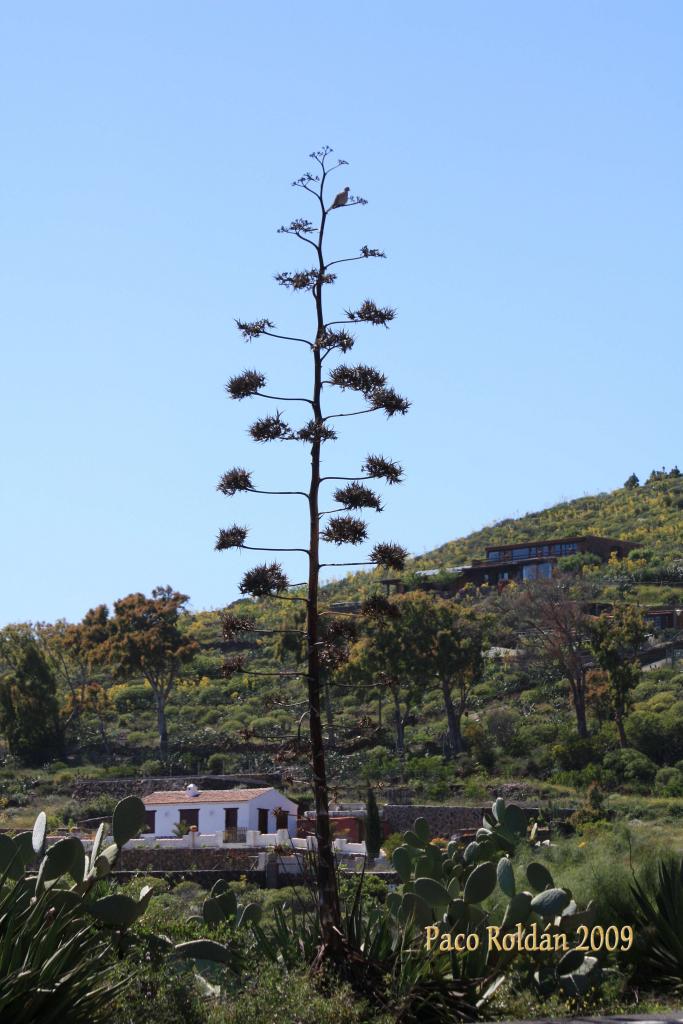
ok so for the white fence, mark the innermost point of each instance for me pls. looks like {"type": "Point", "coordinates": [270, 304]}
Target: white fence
{"type": "Point", "coordinates": [254, 840]}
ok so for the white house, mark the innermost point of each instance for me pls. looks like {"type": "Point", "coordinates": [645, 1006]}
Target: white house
{"type": "Point", "coordinates": [219, 810]}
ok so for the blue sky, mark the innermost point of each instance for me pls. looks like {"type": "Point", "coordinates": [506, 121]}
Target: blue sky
{"type": "Point", "coordinates": [523, 168]}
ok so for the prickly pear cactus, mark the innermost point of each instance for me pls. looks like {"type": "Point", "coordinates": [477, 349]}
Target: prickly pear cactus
{"type": "Point", "coordinates": [221, 907]}
{"type": "Point", "coordinates": [443, 891]}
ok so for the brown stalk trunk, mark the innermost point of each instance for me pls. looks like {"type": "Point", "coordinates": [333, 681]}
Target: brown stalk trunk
{"type": "Point", "coordinates": [331, 738]}
{"type": "Point", "coordinates": [328, 896]}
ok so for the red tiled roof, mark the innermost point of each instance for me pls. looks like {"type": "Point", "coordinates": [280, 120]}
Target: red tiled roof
{"type": "Point", "coordinates": [204, 796]}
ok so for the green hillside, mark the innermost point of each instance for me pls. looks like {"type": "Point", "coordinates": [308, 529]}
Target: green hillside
{"type": "Point", "coordinates": [520, 723]}
{"type": "Point", "coordinates": [650, 514]}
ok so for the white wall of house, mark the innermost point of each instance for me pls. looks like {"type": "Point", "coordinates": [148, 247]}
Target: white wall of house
{"type": "Point", "coordinates": [212, 815]}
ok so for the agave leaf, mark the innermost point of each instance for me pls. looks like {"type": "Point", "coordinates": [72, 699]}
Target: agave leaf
{"type": "Point", "coordinates": [106, 860]}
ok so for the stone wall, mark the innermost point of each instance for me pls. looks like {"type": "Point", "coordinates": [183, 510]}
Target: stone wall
{"type": "Point", "coordinates": [444, 821]}
{"type": "Point", "coordinates": [186, 860]}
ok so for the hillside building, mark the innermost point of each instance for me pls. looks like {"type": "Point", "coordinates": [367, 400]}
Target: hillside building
{"type": "Point", "coordinates": [506, 563]}
{"type": "Point", "coordinates": [230, 811]}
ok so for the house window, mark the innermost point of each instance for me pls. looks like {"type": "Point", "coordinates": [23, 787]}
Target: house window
{"type": "Point", "coordinates": [281, 819]}
{"type": "Point", "coordinates": [537, 571]}
{"type": "Point", "coordinates": [150, 818]}
{"type": "Point", "coordinates": [263, 819]}
{"type": "Point", "coordinates": [190, 817]}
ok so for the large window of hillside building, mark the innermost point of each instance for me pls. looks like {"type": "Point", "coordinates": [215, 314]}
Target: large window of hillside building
{"type": "Point", "coordinates": [537, 571]}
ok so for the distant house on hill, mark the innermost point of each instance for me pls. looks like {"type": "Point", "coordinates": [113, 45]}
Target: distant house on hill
{"type": "Point", "coordinates": [219, 810]}
{"type": "Point", "coordinates": [524, 560]}
{"type": "Point", "coordinates": [528, 561]}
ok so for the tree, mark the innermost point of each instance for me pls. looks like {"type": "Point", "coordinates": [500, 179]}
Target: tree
{"type": "Point", "coordinates": [373, 826]}
{"type": "Point", "coordinates": [616, 639]}
{"type": "Point", "coordinates": [328, 339]}
{"type": "Point", "coordinates": [142, 638]}
{"type": "Point", "coordinates": [385, 658]}
{"type": "Point", "coordinates": [554, 628]}
{"type": "Point", "coordinates": [446, 639]}
{"type": "Point", "coordinates": [29, 709]}
{"type": "Point", "coordinates": [632, 482]}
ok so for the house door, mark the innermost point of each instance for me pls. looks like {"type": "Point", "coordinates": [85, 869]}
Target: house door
{"type": "Point", "coordinates": [281, 819]}
{"type": "Point", "coordinates": [190, 817]}
{"type": "Point", "coordinates": [150, 821]}
{"type": "Point", "coordinates": [263, 819]}
{"type": "Point", "coordinates": [231, 824]}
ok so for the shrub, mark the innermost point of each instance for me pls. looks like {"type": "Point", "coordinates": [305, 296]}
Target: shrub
{"type": "Point", "coordinates": [658, 736]}
{"type": "Point", "coordinates": [131, 698]}
{"type": "Point", "coordinates": [215, 764]}
{"type": "Point", "coordinates": [503, 724]}
{"type": "Point", "coordinates": [391, 842]}
{"type": "Point", "coordinates": [480, 745]}
{"type": "Point", "coordinates": [575, 753]}
{"type": "Point", "coordinates": [380, 763]}
{"type": "Point", "coordinates": [152, 767]}
{"type": "Point", "coordinates": [475, 788]}
{"type": "Point", "coordinates": [213, 695]}
{"type": "Point", "coordinates": [669, 782]}
{"type": "Point", "coordinates": [275, 995]}
{"type": "Point", "coordinates": [100, 806]}
{"type": "Point", "coordinates": [158, 995]}
{"type": "Point", "coordinates": [629, 768]}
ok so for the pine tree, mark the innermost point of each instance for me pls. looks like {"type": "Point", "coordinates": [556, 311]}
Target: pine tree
{"type": "Point", "coordinates": [329, 339]}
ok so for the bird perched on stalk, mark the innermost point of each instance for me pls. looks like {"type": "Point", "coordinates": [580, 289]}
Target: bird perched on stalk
{"type": "Point", "coordinates": [340, 199]}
